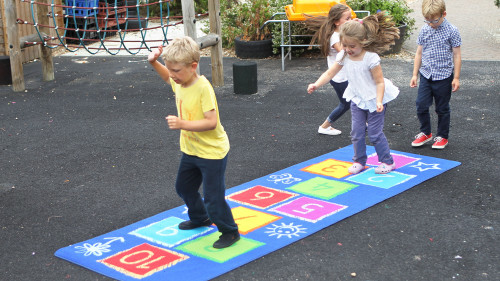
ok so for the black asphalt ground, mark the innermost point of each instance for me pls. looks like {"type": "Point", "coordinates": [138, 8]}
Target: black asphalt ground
{"type": "Point", "coordinates": [90, 152]}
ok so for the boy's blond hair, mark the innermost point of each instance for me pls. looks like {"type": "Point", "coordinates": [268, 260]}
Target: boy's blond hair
{"type": "Point", "coordinates": [182, 50]}
{"type": "Point", "coordinates": [432, 8]}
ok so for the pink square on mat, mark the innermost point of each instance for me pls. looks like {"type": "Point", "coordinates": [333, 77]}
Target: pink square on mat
{"type": "Point", "coordinates": [308, 209]}
{"type": "Point", "coordinates": [400, 160]}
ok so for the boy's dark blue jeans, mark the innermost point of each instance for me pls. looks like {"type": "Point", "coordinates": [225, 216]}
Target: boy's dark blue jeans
{"type": "Point", "coordinates": [193, 171]}
{"type": "Point", "coordinates": [440, 92]}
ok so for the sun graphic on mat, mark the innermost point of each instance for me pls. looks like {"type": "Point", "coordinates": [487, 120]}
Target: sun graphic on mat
{"type": "Point", "coordinates": [287, 230]}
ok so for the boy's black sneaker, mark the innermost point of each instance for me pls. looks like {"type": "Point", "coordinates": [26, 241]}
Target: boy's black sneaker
{"type": "Point", "coordinates": [226, 240]}
{"type": "Point", "coordinates": [187, 225]}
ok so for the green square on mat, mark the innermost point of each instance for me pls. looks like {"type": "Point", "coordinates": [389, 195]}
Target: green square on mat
{"type": "Point", "coordinates": [322, 188]}
{"type": "Point", "coordinates": [202, 247]}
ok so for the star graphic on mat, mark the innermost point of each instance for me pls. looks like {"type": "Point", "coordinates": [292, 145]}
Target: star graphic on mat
{"type": "Point", "coordinates": [421, 166]}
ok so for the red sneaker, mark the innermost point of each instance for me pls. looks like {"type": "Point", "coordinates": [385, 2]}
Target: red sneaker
{"type": "Point", "coordinates": [421, 139]}
{"type": "Point", "coordinates": [440, 143]}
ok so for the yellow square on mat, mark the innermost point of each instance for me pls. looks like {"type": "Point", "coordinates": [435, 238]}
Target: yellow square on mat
{"type": "Point", "coordinates": [249, 220]}
{"type": "Point", "coordinates": [330, 168]}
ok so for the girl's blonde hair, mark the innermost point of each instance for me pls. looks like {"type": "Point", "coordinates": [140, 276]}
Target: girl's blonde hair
{"type": "Point", "coordinates": [182, 50]}
{"type": "Point", "coordinates": [325, 26]}
{"type": "Point", "coordinates": [376, 33]}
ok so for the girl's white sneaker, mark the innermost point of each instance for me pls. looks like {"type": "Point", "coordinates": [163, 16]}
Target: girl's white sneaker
{"type": "Point", "coordinates": [329, 131]}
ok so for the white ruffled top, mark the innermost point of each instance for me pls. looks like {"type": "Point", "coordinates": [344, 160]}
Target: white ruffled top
{"type": "Point", "coordinates": [362, 89]}
{"type": "Point", "coordinates": [332, 57]}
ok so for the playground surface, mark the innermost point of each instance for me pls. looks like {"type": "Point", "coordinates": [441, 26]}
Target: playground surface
{"type": "Point", "coordinates": [90, 152]}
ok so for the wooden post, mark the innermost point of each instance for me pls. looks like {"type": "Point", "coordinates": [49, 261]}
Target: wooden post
{"type": "Point", "coordinates": [16, 63]}
{"type": "Point", "coordinates": [216, 51]}
{"type": "Point", "coordinates": [4, 38]}
{"type": "Point", "coordinates": [189, 19]}
{"type": "Point", "coordinates": [46, 53]}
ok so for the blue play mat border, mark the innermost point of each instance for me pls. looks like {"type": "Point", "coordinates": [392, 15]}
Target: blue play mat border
{"type": "Point", "coordinates": [273, 211]}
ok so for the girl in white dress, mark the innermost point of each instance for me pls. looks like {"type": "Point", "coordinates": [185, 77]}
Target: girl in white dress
{"type": "Point", "coordinates": [368, 90]}
{"type": "Point", "coordinates": [327, 33]}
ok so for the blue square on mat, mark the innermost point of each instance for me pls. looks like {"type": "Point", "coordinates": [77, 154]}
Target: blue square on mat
{"type": "Point", "coordinates": [386, 181]}
{"type": "Point", "coordinates": [167, 233]}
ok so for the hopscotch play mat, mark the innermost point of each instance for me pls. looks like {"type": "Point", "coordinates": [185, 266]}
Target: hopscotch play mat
{"type": "Point", "coordinates": [271, 212]}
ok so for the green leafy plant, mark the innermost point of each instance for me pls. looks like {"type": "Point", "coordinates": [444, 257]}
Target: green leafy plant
{"type": "Point", "coordinates": [244, 19]}
{"type": "Point", "coordinates": [398, 9]}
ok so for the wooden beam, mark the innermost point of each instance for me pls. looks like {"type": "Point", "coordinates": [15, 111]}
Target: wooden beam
{"type": "Point", "coordinates": [16, 63]}
{"type": "Point", "coordinates": [216, 50]}
{"type": "Point", "coordinates": [208, 40]}
{"type": "Point", "coordinates": [31, 38]}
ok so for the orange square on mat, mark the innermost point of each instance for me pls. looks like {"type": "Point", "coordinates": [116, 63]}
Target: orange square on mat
{"type": "Point", "coordinates": [330, 168]}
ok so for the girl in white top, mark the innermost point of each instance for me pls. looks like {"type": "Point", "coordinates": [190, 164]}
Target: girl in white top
{"type": "Point", "coordinates": [368, 90]}
{"type": "Point", "coordinates": [327, 33]}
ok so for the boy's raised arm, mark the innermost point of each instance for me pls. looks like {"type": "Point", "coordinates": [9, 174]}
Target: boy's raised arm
{"type": "Point", "coordinates": [160, 68]}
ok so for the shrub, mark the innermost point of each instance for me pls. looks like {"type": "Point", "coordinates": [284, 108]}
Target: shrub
{"type": "Point", "coordinates": [398, 9]}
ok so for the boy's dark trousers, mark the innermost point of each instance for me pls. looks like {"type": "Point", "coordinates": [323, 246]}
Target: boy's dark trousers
{"type": "Point", "coordinates": [440, 92]}
{"type": "Point", "coordinates": [193, 171]}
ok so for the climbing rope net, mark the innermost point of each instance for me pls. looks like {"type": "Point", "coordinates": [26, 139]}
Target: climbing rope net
{"type": "Point", "coordinates": [94, 22]}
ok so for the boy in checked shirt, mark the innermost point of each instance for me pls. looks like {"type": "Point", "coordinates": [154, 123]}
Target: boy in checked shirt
{"type": "Point", "coordinates": [438, 60]}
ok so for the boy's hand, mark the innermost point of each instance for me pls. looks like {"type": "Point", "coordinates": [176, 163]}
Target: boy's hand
{"type": "Point", "coordinates": [311, 88]}
{"type": "Point", "coordinates": [455, 85]}
{"type": "Point", "coordinates": [174, 122]}
{"type": "Point", "coordinates": [154, 55]}
{"type": "Point", "coordinates": [413, 82]}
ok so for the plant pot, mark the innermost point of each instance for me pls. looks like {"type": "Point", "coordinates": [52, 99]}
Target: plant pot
{"type": "Point", "coordinates": [253, 49]}
{"type": "Point", "coordinates": [396, 48]}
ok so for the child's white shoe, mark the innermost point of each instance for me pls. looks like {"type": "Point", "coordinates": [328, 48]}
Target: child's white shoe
{"type": "Point", "coordinates": [385, 168]}
{"type": "Point", "coordinates": [329, 131]}
{"type": "Point", "coordinates": [355, 168]}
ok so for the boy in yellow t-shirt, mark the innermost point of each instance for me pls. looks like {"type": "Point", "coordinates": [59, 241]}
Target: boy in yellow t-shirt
{"type": "Point", "coordinates": [204, 143]}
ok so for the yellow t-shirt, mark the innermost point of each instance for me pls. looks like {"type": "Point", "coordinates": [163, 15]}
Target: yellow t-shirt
{"type": "Point", "coordinates": [191, 103]}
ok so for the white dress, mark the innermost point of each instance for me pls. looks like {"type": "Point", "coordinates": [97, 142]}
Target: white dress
{"type": "Point", "coordinates": [362, 89]}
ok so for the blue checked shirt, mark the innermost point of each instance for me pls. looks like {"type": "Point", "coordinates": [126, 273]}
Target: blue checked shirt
{"type": "Point", "coordinates": [437, 50]}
